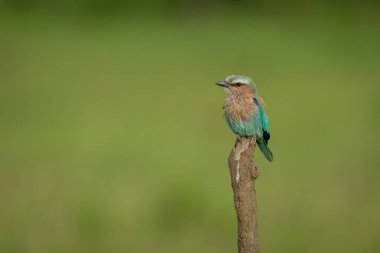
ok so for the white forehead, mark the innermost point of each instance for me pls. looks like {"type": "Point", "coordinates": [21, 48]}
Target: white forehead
{"type": "Point", "coordinates": [239, 79]}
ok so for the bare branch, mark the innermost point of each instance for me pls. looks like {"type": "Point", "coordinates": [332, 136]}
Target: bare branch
{"type": "Point", "coordinates": [243, 176]}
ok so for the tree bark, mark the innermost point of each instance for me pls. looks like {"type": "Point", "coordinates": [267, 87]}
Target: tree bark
{"type": "Point", "coordinates": [243, 176]}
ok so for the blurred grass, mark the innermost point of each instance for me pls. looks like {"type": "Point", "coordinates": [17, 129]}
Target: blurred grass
{"type": "Point", "coordinates": [113, 138]}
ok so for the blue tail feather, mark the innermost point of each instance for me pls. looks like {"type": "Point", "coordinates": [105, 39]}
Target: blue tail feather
{"type": "Point", "coordinates": [263, 145]}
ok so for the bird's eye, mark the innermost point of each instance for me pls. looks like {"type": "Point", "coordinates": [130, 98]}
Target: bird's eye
{"type": "Point", "coordinates": [237, 84]}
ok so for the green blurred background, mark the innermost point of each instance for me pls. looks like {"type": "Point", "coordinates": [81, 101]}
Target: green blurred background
{"type": "Point", "coordinates": [113, 140]}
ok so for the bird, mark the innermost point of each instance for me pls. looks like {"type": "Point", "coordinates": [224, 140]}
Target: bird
{"type": "Point", "coordinates": [245, 111]}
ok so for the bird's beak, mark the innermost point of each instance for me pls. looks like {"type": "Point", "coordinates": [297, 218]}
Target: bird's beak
{"type": "Point", "coordinates": [223, 84]}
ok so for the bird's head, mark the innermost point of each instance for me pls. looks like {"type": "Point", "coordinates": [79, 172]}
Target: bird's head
{"type": "Point", "coordinates": [236, 83]}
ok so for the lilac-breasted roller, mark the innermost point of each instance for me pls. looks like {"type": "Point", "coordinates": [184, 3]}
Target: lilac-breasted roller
{"type": "Point", "coordinates": [245, 111]}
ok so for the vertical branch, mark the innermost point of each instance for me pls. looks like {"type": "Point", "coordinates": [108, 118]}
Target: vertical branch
{"type": "Point", "coordinates": [243, 175]}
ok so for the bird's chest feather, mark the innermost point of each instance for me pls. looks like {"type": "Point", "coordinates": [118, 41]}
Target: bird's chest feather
{"type": "Point", "coordinates": [239, 107]}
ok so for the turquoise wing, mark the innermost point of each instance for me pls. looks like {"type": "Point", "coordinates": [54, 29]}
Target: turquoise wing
{"type": "Point", "coordinates": [263, 119]}
{"type": "Point", "coordinates": [263, 136]}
